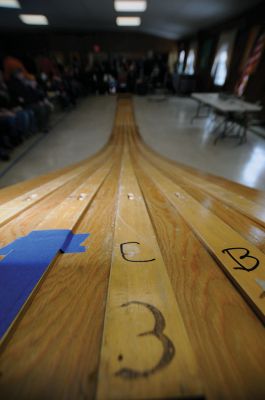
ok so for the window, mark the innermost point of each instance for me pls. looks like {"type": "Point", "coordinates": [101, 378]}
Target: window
{"type": "Point", "coordinates": [219, 70]}
{"type": "Point", "coordinates": [189, 69]}
{"type": "Point", "coordinates": [222, 58]}
{"type": "Point", "coordinates": [181, 61]}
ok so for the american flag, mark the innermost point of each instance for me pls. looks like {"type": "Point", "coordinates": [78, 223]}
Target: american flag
{"type": "Point", "coordinates": [251, 64]}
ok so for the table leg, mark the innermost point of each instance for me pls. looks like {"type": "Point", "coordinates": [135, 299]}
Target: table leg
{"type": "Point", "coordinates": [197, 114]}
{"type": "Point", "coordinates": [245, 128]}
{"type": "Point", "coordinates": [222, 132]}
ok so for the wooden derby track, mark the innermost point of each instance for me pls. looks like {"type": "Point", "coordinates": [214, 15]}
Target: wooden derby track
{"type": "Point", "coordinates": [167, 301]}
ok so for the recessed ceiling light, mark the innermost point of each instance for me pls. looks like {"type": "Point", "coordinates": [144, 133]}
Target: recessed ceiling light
{"type": "Point", "coordinates": [128, 21]}
{"type": "Point", "coordinates": [130, 5]}
{"type": "Point", "coordinates": [34, 19]}
{"type": "Point", "coordinates": [9, 3]}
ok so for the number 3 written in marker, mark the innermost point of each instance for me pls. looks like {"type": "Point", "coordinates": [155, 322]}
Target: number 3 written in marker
{"type": "Point", "coordinates": [157, 331]}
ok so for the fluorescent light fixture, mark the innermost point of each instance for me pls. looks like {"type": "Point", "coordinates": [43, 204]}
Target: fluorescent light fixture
{"type": "Point", "coordinates": [9, 3]}
{"type": "Point", "coordinates": [130, 5]}
{"type": "Point", "coordinates": [128, 21]}
{"type": "Point", "coordinates": [34, 19]}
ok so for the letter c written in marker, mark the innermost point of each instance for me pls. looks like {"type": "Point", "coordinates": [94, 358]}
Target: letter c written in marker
{"type": "Point", "coordinates": [123, 253]}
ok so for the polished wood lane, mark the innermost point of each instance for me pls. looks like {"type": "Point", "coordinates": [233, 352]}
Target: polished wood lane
{"type": "Point", "coordinates": [104, 324]}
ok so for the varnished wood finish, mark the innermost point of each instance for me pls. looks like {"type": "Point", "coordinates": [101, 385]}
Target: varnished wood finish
{"type": "Point", "coordinates": [139, 292]}
{"type": "Point", "coordinates": [59, 347]}
{"type": "Point", "coordinates": [218, 237]}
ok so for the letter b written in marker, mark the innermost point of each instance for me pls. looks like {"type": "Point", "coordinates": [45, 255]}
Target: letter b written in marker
{"type": "Point", "coordinates": [238, 254]}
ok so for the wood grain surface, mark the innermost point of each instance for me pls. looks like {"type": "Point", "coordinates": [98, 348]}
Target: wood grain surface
{"type": "Point", "coordinates": [154, 309]}
{"type": "Point", "coordinates": [141, 303]}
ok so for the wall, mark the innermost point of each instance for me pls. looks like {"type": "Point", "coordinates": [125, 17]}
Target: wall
{"type": "Point", "coordinates": [243, 24]}
{"type": "Point", "coordinates": [109, 42]}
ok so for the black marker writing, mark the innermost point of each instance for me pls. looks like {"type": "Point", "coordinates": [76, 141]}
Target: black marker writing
{"type": "Point", "coordinates": [245, 255]}
{"type": "Point", "coordinates": [123, 252]}
{"type": "Point", "coordinates": [168, 347]}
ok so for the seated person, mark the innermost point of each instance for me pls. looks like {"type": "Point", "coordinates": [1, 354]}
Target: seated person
{"type": "Point", "coordinates": [12, 64]}
{"type": "Point", "coordinates": [10, 110]}
{"type": "Point", "coordinates": [27, 94]}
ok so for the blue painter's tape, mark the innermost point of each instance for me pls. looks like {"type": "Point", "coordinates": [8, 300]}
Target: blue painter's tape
{"type": "Point", "coordinates": [26, 260]}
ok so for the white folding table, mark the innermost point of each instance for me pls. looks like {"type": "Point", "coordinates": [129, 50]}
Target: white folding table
{"type": "Point", "coordinates": [228, 107]}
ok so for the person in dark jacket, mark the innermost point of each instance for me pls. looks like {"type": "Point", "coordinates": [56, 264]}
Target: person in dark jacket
{"type": "Point", "coordinates": [28, 95]}
{"type": "Point", "coordinates": [9, 110]}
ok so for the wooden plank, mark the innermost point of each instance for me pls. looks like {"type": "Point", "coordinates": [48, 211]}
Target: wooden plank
{"type": "Point", "coordinates": [220, 323]}
{"type": "Point", "coordinates": [237, 201]}
{"type": "Point", "coordinates": [256, 196]}
{"type": "Point", "coordinates": [12, 208]}
{"type": "Point", "coordinates": [54, 350]}
{"type": "Point", "coordinates": [65, 216]}
{"type": "Point", "coordinates": [251, 230]}
{"type": "Point", "coordinates": [246, 227]}
{"type": "Point", "coordinates": [67, 213]}
{"type": "Point", "coordinates": [18, 189]}
{"type": "Point", "coordinates": [233, 200]}
{"type": "Point", "coordinates": [243, 262]}
{"type": "Point", "coordinates": [243, 222]}
{"type": "Point", "coordinates": [25, 222]}
{"type": "Point", "coordinates": [12, 191]}
{"type": "Point", "coordinates": [146, 353]}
